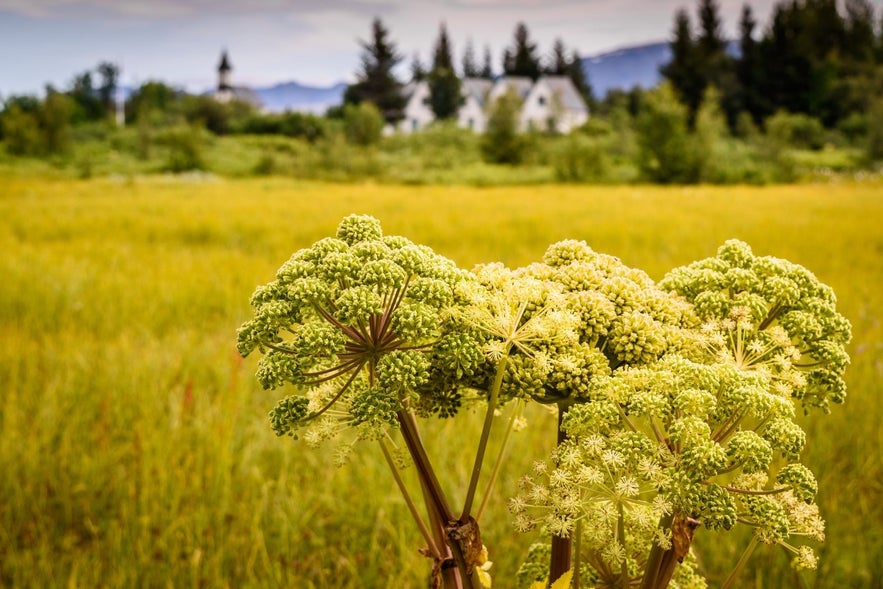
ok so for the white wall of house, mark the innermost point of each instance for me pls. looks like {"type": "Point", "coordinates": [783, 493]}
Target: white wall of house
{"type": "Point", "coordinates": [418, 112]}
{"type": "Point", "coordinates": [553, 104]}
{"type": "Point", "coordinates": [550, 103]}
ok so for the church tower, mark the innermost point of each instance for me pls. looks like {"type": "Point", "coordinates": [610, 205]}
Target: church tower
{"type": "Point", "coordinates": [224, 69]}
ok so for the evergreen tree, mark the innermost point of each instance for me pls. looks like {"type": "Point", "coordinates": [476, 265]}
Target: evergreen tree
{"type": "Point", "coordinates": [522, 59]}
{"type": "Point", "coordinates": [748, 67]}
{"type": "Point", "coordinates": [580, 78]}
{"type": "Point", "coordinates": [559, 64]}
{"type": "Point", "coordinates": [88, 104]}
{"type": "Point", "coordinates": [376, 81]}
{"type": "Point", "coordinates": [470, 66]}
{"type": "Point", "coordinates": [445, 96]}
{"type": "Point", "coordinates": [683, 70]}
{"type": "Point", "coordinates": [107, 89]}
{"type": "Point", "coordinates": [487, 70]}
{"type": "Point", "coordinates": [418, 72]}
{"type": "Point", "coordinates": [859, 37]}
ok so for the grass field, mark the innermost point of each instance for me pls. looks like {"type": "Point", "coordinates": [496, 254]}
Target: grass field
{"type": "Point", "coordinates": [134, 445]}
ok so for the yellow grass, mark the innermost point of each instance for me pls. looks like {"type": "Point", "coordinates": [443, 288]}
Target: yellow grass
{"type": "Point", "coordinates": [134, 447]}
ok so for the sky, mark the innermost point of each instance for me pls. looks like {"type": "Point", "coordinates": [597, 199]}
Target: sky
{"type": "Point", "coordinates": [315, 42]}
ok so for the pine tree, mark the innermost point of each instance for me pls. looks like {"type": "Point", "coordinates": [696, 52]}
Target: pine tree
{"type": "Point", "coordinates": [580, 78]}
{"type": "Point", "coordinates": [445, 96]}
{"type": "Point", "coordinates": [418, 72]}
{"type": "Point", "coordinates": [376, 81]}
{"type": "Point", "coordinates": [522, 59]}
{"type": "Point", "coordinates": [487, 70]}
{"type": "Point", "coordinates": [859, 38]}
{"type": "Point", "coordinates": [716, 68]}
{"type": "Point", "coordinates": [470, 66]}
{"type": "Point", "coordinates": [748, 67]}
{"type": "Point", "coordinates": [683, 69]}
{"type": "Point", "coordinates": [559, 64]}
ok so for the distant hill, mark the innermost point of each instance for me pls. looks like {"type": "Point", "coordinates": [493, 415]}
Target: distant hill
{"type": "Point", "coordinates": [296, 96]}
{"type": "Point", "coordinates": [627, 67]}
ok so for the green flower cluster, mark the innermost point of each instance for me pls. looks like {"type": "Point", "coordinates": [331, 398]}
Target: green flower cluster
{"type": "Point", "coordinates": [771, 316]}
{"type": "Point", "coordinates": [703, 434]}
{"type": "Point", "coordinates": [356, 322]}
{"type": "Point", "coordinates": [571, 319]}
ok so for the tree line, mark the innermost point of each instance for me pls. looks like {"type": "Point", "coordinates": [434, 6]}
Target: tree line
{"type": "Point", "coordinates": [378, 83]}
{"type": "Point", "coordinates": [811, 58]}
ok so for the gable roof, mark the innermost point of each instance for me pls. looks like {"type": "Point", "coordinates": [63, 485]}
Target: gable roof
{"type": "Point", "coordinates": [564, 88]}
{"type": "Point", "coordinates": [478, 88]}
{"type": "Point", "coordinates": [520, 84]}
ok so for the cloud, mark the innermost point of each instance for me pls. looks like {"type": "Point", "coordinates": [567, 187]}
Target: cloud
{"type": "Point", "coordinates": [180, 9]}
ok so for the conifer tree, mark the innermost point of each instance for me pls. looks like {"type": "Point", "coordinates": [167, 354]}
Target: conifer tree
{"type": "Point", "coordinates": [418, 72]}
{"type": "Point", "coordinates": [487, 70]}
{"type": "Point", "coordinates": [444, 86]}
{"type": "Point", "coordinates": [580, 78]}
{"type": "Point", "coordinates": [470, 66]}
{"type": "Point", "coordinates": [683, 69]}
{"type": "Point", "coordinates": [748, 68]}
{"type": "Point", "coordinates": [559, 64]}
{"type": "Point", "coordinates": [376, 81]}
{"type": "Point", "coordinates": [521, 59]}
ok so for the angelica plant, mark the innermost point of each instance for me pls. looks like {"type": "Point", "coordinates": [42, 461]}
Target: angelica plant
{"type": "Point", "coordinates": [358, 325]}
{"type": "Point", "coordinates": [705, 436]}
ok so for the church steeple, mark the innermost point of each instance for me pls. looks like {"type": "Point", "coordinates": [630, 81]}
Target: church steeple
{"type": "Point", "coordinates": [224, 69]}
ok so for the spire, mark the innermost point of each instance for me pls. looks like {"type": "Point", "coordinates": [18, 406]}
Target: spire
{"type": "Point", "coordinates": [224, 69]}
{"type": "Point", "coordinates": [224, 66]}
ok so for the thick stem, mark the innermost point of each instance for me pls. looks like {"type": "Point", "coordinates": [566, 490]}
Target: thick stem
{"type": "Point", "coordinates": [438, 507]}
{"type": "Point", "coordinates": [445, 573]}
{"type": "Point", "coordinates": [425, 471]}
{"type": "Point", "coordinates": [661, 563]}
{"type": "Point", "coordinates": [562, 548]}
{"type": "Point", "coordinates": [494, 393]}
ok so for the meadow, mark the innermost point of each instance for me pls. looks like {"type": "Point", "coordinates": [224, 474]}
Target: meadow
{"type": "Point", "coordinates": [135, 449]}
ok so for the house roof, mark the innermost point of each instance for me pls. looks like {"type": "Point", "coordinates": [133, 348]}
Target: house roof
{"type": "Point", "coordinates": [565, 90]}
{"type": "Point", "coordinates": [479, 88]}
{"type": "Point", "coordinates": [520, 84]}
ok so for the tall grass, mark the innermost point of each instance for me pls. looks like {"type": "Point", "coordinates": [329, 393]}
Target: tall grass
{"type": "Point", "coordinates": [134, 445]}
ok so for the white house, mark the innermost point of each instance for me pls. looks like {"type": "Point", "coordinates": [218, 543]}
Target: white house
{"type": "Point", "coordinates": [418, 111]}
{"type": "Point", "coordinates": [473, 113]}
{"type": "Point", "coordinates": [550, 103]}
{"type": "Point", "coordinates": [553, 104]}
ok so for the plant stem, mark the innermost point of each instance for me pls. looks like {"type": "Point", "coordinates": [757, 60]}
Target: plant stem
{"type": "Point", "coordinates": [427, 535]}
{"type": "Point", "coordinates": [562, 548]}
{"type": "Point", "coordinates": [746, 554]}
{"type": "Point", "coordinates": [424, 468]}
{"type": "Point", "coordinates": [578, 537]}
{"type": "Point", "coordinates": [498, 462]}
{"type": "Point", "coordinates": [494, 393]}
{"type": "Point", "coordinates": [654, 560]}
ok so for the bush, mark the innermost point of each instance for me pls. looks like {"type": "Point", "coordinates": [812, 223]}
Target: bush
{"type": "Point", "coordinates": [666, 151]}
{"type": "Point", "coordinates": [874, 141]}
{"type": "Point", "coordinates": [502, 143]}
{"type": "Point", "coordinates": [185, 147]}
{"type": "Point", "coordinates": [577, 158]}
{"type": "Point", "coordinates": [363, 124]}
{"type": "Point", "coordinates": [796, 130]}
{"type": "Point", "coordinates": [291, 124]}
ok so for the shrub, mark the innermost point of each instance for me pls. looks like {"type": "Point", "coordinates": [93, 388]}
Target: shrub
{"type": "Point", "coordinates": [577, 158]}
{"type": "Point", "coordinates": [666, 152]}
{"type": "Point", "coordinates": [501, 143]}
{"type": "Point", "coordinates": [185, 145]}
{"type": "Point", "coordinates": [363, 124]}
{"type": "Point", "coordinates": [795, 129]}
